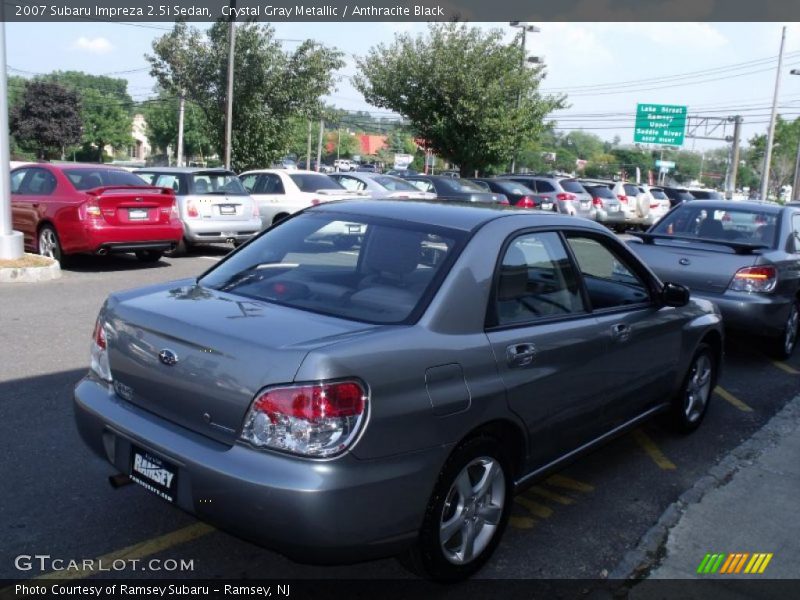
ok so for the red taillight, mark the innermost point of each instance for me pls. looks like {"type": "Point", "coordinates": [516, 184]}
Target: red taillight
{"type": "Point", "coordinates": [622, 198]}
{"type": "Point", "coordinates": [597, 201]}
{"type": "Point", "coordinates": [92, 209]}
{"type": "Point", "coordinates": [99, 335]}
{"type": "Point", "coordinates": [191, 209]}
{"type": "Point", "coordinates": [526, 202]}
{"type": "Point", "coordinates": [255, 209]}
{"type": "Point", "coordinates": [564, 196]}
{"type": "Point", "coordinates": [315, 202]}
{"type": "Point", "coordinates": [313, 402]}
{"type": "Point", "coordinates": [755, 279]}
{"type": "Point", "coordinates": [655, 205]}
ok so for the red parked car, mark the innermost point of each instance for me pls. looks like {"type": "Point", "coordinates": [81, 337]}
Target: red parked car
{"type": "Point", "coordinates": [92, 209]}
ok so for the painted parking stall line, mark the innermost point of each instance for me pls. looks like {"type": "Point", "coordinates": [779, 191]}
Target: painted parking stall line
{"type": "Point", "coordinates": [731, 399]}
{"type": "Point", "coordinates": [653, 451]}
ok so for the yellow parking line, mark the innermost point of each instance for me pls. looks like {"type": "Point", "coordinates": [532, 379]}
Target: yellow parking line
{"type": "Point", "coordinates": [543, 493]}
{"type": "Point", "coordinates": [522, 522]}
{"type": "Point", "coordinates": [726, 395]}
{"type": "Point", "coordinates": [784, 367]}
{"type": "Point", "coordinates": [138, 551]}
{"type": "Point", "coordinates": [536, 509]}
{"type": "Point", "coordinates": [653, 451]}
{"type": "Point", "coordinates": [567, 483]}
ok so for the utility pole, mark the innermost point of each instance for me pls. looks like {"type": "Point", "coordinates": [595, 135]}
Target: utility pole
{"type": "Point", "coordinates": [771, 134]}
{"type": "Point", "coordinates": [338, 142]}
{"type": "Point", "coordinates": [796, 180]}
{"type": "Point", "coordinates": [526, 27]}
{"type": "Point", "coordinates": [734, 168]}
{"type": "Point", "coordinates": [308, 147]}
{"type": "Point", "coordinates": [11, 246]}
{"type": "Point", "coordinates": [319, 143]}
{"type": "Point", "coordinates": [179, 158]}
{"type": "Point", "coordinates": [229, 97]}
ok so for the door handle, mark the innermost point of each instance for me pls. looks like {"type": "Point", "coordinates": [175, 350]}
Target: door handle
{"type": "Point", "coordinates": [520, 355]}
{"type": "Point", "coordinates": [621, 332]}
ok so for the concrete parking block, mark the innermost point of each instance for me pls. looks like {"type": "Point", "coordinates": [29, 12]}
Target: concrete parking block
{"type": "Point", "coordinates": [31, 274]}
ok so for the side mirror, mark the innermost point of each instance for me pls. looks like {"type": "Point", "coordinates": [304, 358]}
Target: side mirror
{"type": "Point", "coordinates": [674, 294]}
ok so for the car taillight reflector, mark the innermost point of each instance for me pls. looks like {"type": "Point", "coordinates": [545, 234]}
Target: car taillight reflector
{"type": "Point", "coordinates": [597, 201]}
{"type": "Point", "coordinates": [656, 205]}
{"type": "Point", "coordinates": [191, 209]}
{"type": "Point", "coordinates": [315, 201]}
{"type": "Point", "coordinates": [99, 352]}
{"type": "Point", "coordinates": [317, 420]}
{"type": "Point", "coordinates": [754, 279]}
{"type": "Point", "coordinates": [99, 335]}
{"type": "Point", "coordinates": [622, 198]}
{"type": "Point", "coordinates": [526, 202]}
{"type": "Point", "coordinates": [92, 209]}
{"type": "Point", "coordinates": [255, 209]}
{"type": "Point", "coordinates": [563, 196]}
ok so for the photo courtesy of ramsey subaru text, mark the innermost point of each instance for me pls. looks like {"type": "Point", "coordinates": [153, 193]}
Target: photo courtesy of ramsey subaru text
{"type": "Point", "coordinates": [389, 399]}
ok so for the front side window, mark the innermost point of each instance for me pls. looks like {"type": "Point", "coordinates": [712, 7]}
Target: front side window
{"type": "Point", "coordinates": [40, 183]}
{"type": "Point", "coordinates": [536, 281]}
{"type": "Point", "coordinates": [610, 280]}
{"type": "Point", "coordinates": [382, 277]}
{"type": "Point", "coordinates": [16, 180]}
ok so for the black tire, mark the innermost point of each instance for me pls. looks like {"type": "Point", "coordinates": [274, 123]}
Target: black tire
{"type": "Point", "coordinates": [181, 249]}
{"type": "Point", "coordinates": [438, 559]}
{"type": "Point", "coordinates": [49, 243]}
{"type": "Point", "coordinates": [690, 404]}
{"type": "Point", "coordinates": [149, 256]}
{"type": "Point", "coordinates": [783, 347]}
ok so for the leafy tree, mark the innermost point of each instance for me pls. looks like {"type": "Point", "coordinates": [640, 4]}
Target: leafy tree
{"type": "Point", "coordinates": [784, 152]}
{"type": "Point", "coordinates": [161, 115]}
{"type": "Point", "coordinates": [459, 87]}
{"type": "Point", "coordinates": [46, 119]}
{"type": "Point", "coordinates": [106, 110]}
{"type": "Point", "coordinates": [270, 85]}
{"type": "Point", "coordinates": [586, 146]}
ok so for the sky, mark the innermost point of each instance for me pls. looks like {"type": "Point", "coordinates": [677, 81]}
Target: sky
{"type": "Point", "coordinates": [716, 69]}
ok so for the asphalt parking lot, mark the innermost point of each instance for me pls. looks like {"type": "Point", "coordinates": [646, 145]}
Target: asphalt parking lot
{"type": "Point", "coordinates": [56, 498]}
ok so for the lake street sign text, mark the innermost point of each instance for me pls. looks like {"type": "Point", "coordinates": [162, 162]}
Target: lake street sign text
{"type": "Point", "coordinates": [663, 124]}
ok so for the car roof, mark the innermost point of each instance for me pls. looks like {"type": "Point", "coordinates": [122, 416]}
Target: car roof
{"type": "Point", "coordinates": [183, 170]}
{"type": "Point", "coordinates": [286, 171]}
{"type": "Point", "coordinates": [729, 204]}
{"type": "Point", "coordinates": [454, 215]}
{"type": "Point", "coordinates": [28, 165]}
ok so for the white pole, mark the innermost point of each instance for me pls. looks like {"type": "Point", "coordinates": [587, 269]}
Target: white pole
{"type": "Point", "coordinates": [229, 96]}
{"type": "Point", "coordinates": [10, 241]}
{"type": "Point", "coordinates": [319, 144]}
{"type": "Point", "coordinates": [179, 158]}
{"type": "Point", "coordinates": [771, 134]}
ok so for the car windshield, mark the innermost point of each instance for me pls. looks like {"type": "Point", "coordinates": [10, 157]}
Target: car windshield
{"type": "Point", "coordinates": [461, 185]}
{"type": "Point", "coordinates": [600, 191]}
{"type": "Point", "coordinates": [383, 274]}
{"type": "Point", "coordinates": [312, 182]}
{"type": "Point", "coordinates": [217, 183]}
{"type": "Point", "coordinates": [570, 185]}
{"type": "Point", "coordinates": [87, 179]}
{"type": "Point", "coordinates": [394, 184]}
{"type": "Point", "coordinates": [514, 188]}
{"type": "Point", "coordinates": [748, 226]}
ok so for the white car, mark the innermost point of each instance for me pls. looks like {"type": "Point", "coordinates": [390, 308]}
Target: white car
{"type": "Point", "coordinates": [343, 164]}
{"type": "Point", "coordinates": [280, 193]}
{"type": "Point", "coordinates": [659, 204]}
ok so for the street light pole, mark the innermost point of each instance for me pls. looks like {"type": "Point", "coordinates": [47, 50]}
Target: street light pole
{"type": "Point", "coordinates": [229, 96]}
{"type": "Point", "coordinates": [10, 241]}
{"type": "Point", "coordinates": [525, 29]}
{"type": "Point", "coordinates": [796, 180]}
{"type": "Point", "coordinates": [771, 133]}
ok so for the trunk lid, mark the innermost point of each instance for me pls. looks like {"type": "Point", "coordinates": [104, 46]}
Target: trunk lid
{"type": "Point", "coordinates": [130, 205]}
{"type": "Point", "coordinates": [701, 267]}
{"type": "Point", "coordinates": [224, 207]}
{"type": "Point", "coordinates": [223, 348]}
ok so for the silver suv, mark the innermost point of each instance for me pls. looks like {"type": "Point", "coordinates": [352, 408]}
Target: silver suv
{"type": "Point", "coordinates": [213, 204]}
{"type": "Point", "coordinates": [567, 194]}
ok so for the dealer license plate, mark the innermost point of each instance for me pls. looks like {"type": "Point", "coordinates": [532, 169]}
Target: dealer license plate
{"type": "Point", "coordinates": [154, 473]}
{"type": "Point", "coordinates": [227, 209]}
{"type": "Point", "coordinates": [613, 208]}
{"type": "Point", "coordinates": [137, 214]}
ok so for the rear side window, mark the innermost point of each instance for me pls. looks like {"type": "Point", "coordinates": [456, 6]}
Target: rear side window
{"type": "Point", "coordinates": [483, 185]}
{"type": "Point", "coordinates": [513, 188]}
{"type": "Point", "coordinates": [544, 186]}
{"type": "Point", "coordinates": [536, 281]}
{"type": "Point", "coordinates": [609, 279]}
{"type": "Point", "coordinates": [422, 185]}
{"type": "Point", "coordinates": [600, 191]}
{"type": "Point", "coordinates": [631, 190]}
{"type": "Point", "coordinates": [350, 183]}
{"type": "Point", "coordinates": [658, 194]}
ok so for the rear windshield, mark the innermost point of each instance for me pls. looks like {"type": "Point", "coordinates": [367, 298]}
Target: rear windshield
{"type": "Point", "coordinates": [706, 195]}
{"type": "Point", "coordinates": [631, 190]}
{"type": "Point", "coordinates": [658, 194]}
{"type": "Point", "coordinates": [88, 179]}
{"type": "Point", "coordinates": [722, 224]}
{"type": "Point", "coordinates": [571, 185]}
{"type": "Point", "coordinates": [312, 182]}
{"type": "Point", "coordinates": [359, 268]}
{"type": "Point", "coordinates": [461, 185]}
{"type": "Point", "coordinates": [600, 191]}
{"type": "Point", "coordinates": [394, 184]}
{"type": "Point", "coordinates": [514, 188]}
{"type": "Point", "coordinates": [217, 183]}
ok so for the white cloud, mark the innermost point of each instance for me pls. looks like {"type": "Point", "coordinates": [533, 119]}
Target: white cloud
{"type": "Point", "coordinates": [98, 45]}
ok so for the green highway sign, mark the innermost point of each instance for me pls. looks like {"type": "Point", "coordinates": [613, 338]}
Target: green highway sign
{"type": "Point", "coordinates": [663, 124]}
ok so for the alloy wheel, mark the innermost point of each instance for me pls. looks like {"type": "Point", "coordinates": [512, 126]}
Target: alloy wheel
{"type": "Point", "coordinates": [48, 244]}
{"type": "Point", "coordinates": [698, 388]}
{"type": "Point", "coordinates": [790, 336]}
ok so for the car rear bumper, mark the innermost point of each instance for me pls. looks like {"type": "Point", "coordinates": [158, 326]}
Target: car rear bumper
{"type": "Point", "coordinates": [609, 218]}
{"type": "Point", "coordinates": [126, 238]}
{"type": "Point", "coordinates": [212, 231]}
{"type": "Point", "coordinates": [752, 313]}
{"type": "Point", "coordinates": [332, 511]}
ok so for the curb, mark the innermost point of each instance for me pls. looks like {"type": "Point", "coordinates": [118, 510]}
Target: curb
{"type": "Point", "coordinates": [637, 563]}
{"type": "Point", "coordinates": [30, 274]}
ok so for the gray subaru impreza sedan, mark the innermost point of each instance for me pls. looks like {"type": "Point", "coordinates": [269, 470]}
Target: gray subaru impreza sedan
{"type": "Point", "coordinates": [390, 399]}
